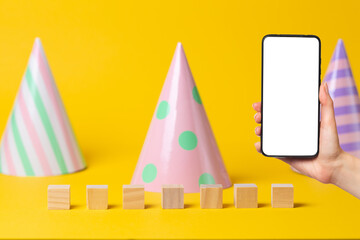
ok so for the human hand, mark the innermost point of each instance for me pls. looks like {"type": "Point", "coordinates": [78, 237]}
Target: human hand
{"type": "Point", "coordinates": [328, 162]}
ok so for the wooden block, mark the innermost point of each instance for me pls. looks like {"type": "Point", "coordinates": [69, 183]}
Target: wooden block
{"type": "Point", "coordinates": [133, 197]}
{"type": "Point", "coordinates": [282, 195]}
{"type": "Point", "coordinates": [97, 197]}
{"type": "Point", "coordinates": [172, 196]}
{"type": "Point", "coordinates": [211, 196]}
{"type": "Point", "coordinates": [245, 196]}
{"type": "Point", "coordinates": [58, 197]}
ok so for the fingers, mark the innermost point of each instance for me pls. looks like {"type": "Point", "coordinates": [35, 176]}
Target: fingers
{"type": "Point", "coordinates": [257, 117]}
{"type": "Point", "coordinates": [258, 131]}
{"type": "Point", "coordinates": [257, 106]}
{"type": "Point", "coordinates": [258, 147]}
{"type": "Point", "coordinates": [327, 106]}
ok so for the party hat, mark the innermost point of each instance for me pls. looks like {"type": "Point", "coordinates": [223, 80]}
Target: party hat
{"type": "Point", "coordinates": [38, 139]}
{"type": "Point", "coordinates": [180, 147]}
{"type": "Point", "coordinates": [342, 89]}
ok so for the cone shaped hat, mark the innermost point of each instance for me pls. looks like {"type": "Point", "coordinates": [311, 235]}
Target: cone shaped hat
{"type": "Point", "coordinates": [38, 138]}
{"type": "Point", "coordinates": [344, 93]}
{"type": "Point", "coordinates": [180, 147]}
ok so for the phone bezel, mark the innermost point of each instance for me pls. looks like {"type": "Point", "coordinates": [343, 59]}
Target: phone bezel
{"type": "Point", "coordinates": [262, 90]}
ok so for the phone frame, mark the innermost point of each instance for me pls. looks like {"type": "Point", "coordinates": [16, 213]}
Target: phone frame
{"type": "Point", "coordinates": [262, 90]}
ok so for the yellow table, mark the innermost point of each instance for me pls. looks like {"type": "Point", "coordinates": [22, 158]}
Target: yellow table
{"type": "Point", "coordinates": [321, 211]}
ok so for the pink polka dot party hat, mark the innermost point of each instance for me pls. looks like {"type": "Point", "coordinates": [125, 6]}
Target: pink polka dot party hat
{"type": "Point", "coordinates": [180, 147]}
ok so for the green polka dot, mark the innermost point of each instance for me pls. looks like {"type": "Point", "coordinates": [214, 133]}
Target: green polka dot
{"type": "Point", "coordinates": [188, 140]}
{"type": "Point", "coordinates": [196, 95]}
{"type": "Point", "coordinates": [149, 173]}
{"type": "Point", "coordinates": [163, 110]}
{"type": "Point", "coordinates": [206, 178]}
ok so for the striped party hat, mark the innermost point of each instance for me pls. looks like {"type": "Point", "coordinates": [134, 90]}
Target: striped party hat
{"type": "Point", "coordinates": [38, 139]}
{"type": "Point", "coordinates": [344, 93]}
{"type": "Point", "coordinates": [180, 147]}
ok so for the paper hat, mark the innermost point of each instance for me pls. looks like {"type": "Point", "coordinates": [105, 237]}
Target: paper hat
{"type": "Point", "coordinates": [344, 93]}
{"type": "Point", "coordinates": [38, 139]}
{"type": "Point", "coordinates": [180, 147]}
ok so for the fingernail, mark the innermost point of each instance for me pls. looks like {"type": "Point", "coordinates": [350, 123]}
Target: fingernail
{"type": "Point", "coordinates": [255, 115]}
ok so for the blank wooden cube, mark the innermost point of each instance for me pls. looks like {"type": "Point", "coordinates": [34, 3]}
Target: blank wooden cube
{"type": "Point", "coordinates": [282, 195]}
{"type": "Point", "coordinates": [172, 196]}
{"type": "Point", "coordinates": [133, 197]}
{"type": "Point", "coordinates": [58, 197]}
{"type": "Point", "coordinates": [97, 197]}
{"type": "Point", "coordinates": [211, 196]}
{"type": "Point", "coordinates": [245, 195]}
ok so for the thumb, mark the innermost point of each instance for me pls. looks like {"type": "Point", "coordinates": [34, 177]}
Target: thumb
{"type": "Point", "coordinates": [327, 105]}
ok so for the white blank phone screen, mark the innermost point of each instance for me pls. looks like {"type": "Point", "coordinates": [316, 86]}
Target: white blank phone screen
{"type": "Point", "coordinates": [290, 118]}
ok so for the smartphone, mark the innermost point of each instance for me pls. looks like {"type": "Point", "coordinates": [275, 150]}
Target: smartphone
{"type": "Point", "coordinates": [290, 95]}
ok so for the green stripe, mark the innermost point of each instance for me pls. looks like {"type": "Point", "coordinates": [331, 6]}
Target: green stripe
{"type": "Point", "coordinates": [46, 121]}
{"type": "Point", "coordinates": [20, 147]}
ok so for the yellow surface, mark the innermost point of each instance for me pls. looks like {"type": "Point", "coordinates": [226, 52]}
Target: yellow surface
{"type": "Point", "coordinates": [110, 60]}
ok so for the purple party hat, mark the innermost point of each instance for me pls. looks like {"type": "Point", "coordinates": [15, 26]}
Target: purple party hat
{"type": "Point", "coordinates": [344, 93]}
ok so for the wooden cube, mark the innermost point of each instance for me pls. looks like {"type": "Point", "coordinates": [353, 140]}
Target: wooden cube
{"type": "Point", "coordinates": [133, 197]}
{"type": "Point", "coordinates": [58, 197]}
{"type": "Point", "coordinates": [282, 195]}
{"type": "Point", "coordinates": [172, 196]}
{"type": "Point", "coordinates": [97, 197]}
{"type": "Point", "coordinates": [245, 195]}
{"type": "Point", "coordinates": [211, 196]}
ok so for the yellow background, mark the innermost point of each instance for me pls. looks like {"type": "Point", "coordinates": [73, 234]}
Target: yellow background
{"type": "Point", "coordinates": [110, 59]}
